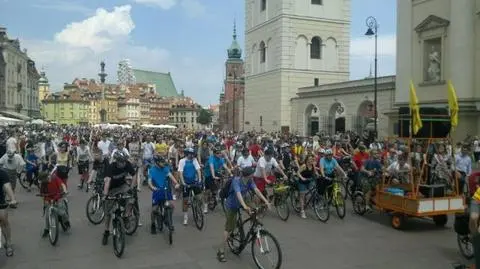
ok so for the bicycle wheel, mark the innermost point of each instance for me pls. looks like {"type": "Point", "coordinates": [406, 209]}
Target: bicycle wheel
{"type": "Point", "coordinates": [343, 189]}
{"type": "Point", "coordinates": [169, 225]}
{"type": "Point", "coordinates": [63, 223]}
{"type": "Point", "coordinates": [321, 207]}
{"type": "Point", "coordinates": [236, 238]}
{"type": "Point", "coordinates": [340, 205]}
{"type": "Point", "coordinates": [465, 245]}
{"type": "Point", "coordinates": [23, 180]}
{"type": "Point", "coordinates": [94, 210]}
{"type": "Point", "coordinates": [131, 220]}
{"type": "Point", "coordinates": [266, 244]}
{"type": "Point", "coordinates": [159, 220]}
{"type": "Point", "coordinates": [359, 203]}
{"type": "Point", "coordinates": [53, 226]}
{"type": "Point", "coordinates": [349, 186]}
{"type": "Point", "coordinates": [295, 201]}
{"type": "Point", "coordinates": [281, 206]}
{"type": "Point", "coordinates": [212, 202]}
{"type": "Point", "coordinates": [118, 237]}
{"type": "Point", "coordinates": [197, 212]}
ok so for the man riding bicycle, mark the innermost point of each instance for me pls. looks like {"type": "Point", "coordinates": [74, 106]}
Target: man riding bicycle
{"type": "Point", "coordinates": [159, 177]}
{"type": "Point", "coordinates": [117, 177]}
{"type": "Point", "coordinates": [212, 171]}
{"type": "Point", "coordinates": [372, 168]}
{"type": "Point", "coordinates": [190, 177]}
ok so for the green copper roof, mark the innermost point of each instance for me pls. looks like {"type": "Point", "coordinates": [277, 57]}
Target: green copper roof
{"type": "Point", "coordinates": [163, 81]}
{"type": "Point", "coordinates": [234, 52]}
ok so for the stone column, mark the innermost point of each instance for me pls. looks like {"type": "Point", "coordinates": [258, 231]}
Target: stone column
{"type": "Point", "coordinates": [309, 44]}
{"type": "Point", "coordinates": [405, 48]}
{"type": "Point", "coordinates": [462, 47]}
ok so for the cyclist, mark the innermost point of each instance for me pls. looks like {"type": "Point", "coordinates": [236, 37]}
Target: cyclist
{"type": "Point", "coordinates": [306, 173]}
{"type": "Point", "coordinates": [328, 167]}
{"type": "Point", "coordinates": [32, 161]}
{"type": "Point", "coordinates": [13, 164]}
{"type": "Point", "coordinates": [54, 188]}
{"type": "Point", "coordinates": [372, 168]}
{"type": "Point", "coordinates": [245, 160]}
{"type": "Point", "coordinates": [212, 170]}
{"type": "Point", "coordinates": [148, 148]}
{"type": "Point", "coordinates": [159, 177]}
{"type": "Point", "coordinates": [6, 188]}
{"type": "Point", "coordinates": [238, 189]}
{"type": "Point", "coordinates": [83, 161]}
{"type": "Point", "coordinates": [117, 175]}
{"type": "Point", "coordinates": [265, 169]}
{"type": "Point", "coordinates": [190, 177]}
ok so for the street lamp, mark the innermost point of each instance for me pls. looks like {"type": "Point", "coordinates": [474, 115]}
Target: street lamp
{"type": "Point", "coordinates": [372, 25]}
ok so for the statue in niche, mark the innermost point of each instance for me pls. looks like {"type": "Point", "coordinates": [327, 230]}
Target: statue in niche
{"type": "Point", "coordinates": [434, 71]}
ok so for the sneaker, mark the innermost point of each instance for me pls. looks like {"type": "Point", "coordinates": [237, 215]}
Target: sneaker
{"type": "Point", "coordinates": [80, 186]}
{"type": "Point", "coordinates": [174, 197]}
{"type": "Point", "coordinates": [303, 215]}
{"type": "Point", "coordinates": [106, 234]}
{"type": "Point", "coordinates": [153, 229]}
{"type": "Point", "coordinates": [185, 219]}
{"type": "Point", "coordinates": [205, 208]}
{"type": "Point", "coordinates": [45, 233]}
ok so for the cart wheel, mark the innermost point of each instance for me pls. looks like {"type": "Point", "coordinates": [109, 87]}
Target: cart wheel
{"type": "Point", "coordinates": [440, 220]}
{"type": "Point", "coordinates": [398, 221]}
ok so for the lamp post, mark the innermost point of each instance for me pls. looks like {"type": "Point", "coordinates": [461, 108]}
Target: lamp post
{"type": "Point", "coordinates": [372, 30]}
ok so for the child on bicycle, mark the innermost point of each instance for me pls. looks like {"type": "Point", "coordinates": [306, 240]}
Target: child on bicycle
{"type": "Point", "coordinates": [52, 189]}
{"type": "Point", "coordinates": [159, 177]}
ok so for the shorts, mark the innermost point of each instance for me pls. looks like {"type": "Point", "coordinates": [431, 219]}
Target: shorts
{"type": "Point", "coordinates": [305, 186]}
{"type": "Point", "coordinates": [474, 207]}
{"type": "Point", "coordinates": [211, 184]}
{"type": "Point", "coordinates": [147, 161]}
{"type": "Point", "coordinates": [197, 189]}
{"type": "Point", "coordinates": [12, 176]}
{"type": "Point", "coordinates": [83, 167]}
{"type": "Point", "coordinates": [231, 219]}
{"type": "Point", "coordinates": [160, 196]}
{"type": "Point", "coordinates": [261, 184]}
{"type": "Point", "coordinates": [108, 206]}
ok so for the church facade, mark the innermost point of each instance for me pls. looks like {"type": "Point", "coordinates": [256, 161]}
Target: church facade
{"type": "Point", "coordinates": [437, 41]}
{"type": "Point", "coordinates": [291, 44]}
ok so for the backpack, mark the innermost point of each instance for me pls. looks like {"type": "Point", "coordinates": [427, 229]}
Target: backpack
{"type": "Point", "coordinates": [225, 191]}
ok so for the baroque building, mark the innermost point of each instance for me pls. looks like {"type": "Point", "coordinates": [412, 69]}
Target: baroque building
{"type": "Point", "coordinates": [437, 41]}
{"type": "Point", "coordinates": [291, 44]}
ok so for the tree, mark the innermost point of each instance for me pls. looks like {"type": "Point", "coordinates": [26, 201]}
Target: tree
{"type": "Point", "coordinates": [205, 117]}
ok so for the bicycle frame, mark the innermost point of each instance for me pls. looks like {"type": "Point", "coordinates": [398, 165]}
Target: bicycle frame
{"type": "Point", "coordinates": [253, 232]}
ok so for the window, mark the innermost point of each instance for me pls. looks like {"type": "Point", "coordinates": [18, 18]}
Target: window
{"type": "Point", "coordinates": [263, 5]}
{"type": "Point", "coordinates": [263, 52]}
{"type": "Point", "coordinates": [315, 81]}
{"type": "Point", "coordinates": [316, 48]}
{"type": "Point", "coordinates": [317, 2]}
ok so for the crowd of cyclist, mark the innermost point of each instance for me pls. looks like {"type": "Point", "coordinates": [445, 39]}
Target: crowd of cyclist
{"type": "Point", "coordinates": [202, 162]}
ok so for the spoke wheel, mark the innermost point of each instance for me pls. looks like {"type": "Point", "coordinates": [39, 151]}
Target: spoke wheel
{"type": "Point", "coordinates": [359, 203]}
{"type": "Point", "coordinates": [53, 227]}
{"type": "Point", "coordinates": [23, 180]}
{"type": "Point", "coordinates": [198, 216]}
{"type": "Point", "coordinates": [349, 187]}
{"type": "Point", "coordinates": [63, 221]}
{"type": "Point", "coordinates": [265, 245]}
{"type": "Point", "coordinates": [236, 238]}
{"type": "Point", "coordinates": [118, 238]}
{"type": "Point", "coordinates": [281, 207]}
{"type": "Point", "coordinates": [94, 210]}
{"type": "Point", "coordinates": [295, 201]}
{"type": "Point", "coordinates": [131, 220]}
{"type": "Point", "coordinates": [340, 206]}
{"type": "Point", "coordinates": [321, 207]}
{"type": "Point", "coordinates": [465, 245]}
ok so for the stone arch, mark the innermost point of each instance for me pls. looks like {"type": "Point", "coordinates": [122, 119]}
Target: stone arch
{"type": "Point", "coordinates": [312, 120]}
{"type": "Point", "coordinates": [253, 60]}
{"type": "Point", "coordinates": [301, 52]}
{"type": "Point", "coordinates": [270, 57]}
{"type": "Point", "coordinates": [316, 45]}
{"type": "Point", "coordinates": [365, 118]}
{"type": "Point", "coordinates": [337, 118]}
{"type": "Point", "coordinates": [331, 54]}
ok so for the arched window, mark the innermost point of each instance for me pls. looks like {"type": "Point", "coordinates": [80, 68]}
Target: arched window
{"type": "Point", "coordinates": [263, 52]}
{"type": "Point", "coordinates": [316, 48]}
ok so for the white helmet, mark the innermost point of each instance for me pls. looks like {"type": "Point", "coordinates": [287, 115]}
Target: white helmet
{"type": "Point", "coordinates": [328, 152]}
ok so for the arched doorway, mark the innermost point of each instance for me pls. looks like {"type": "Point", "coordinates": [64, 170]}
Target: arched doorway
{"type": "Point", "coordinates": [312, 120]}
{"type": "Point", "coordinates": [103, 116]}
{"type": "Point", "coordinates": [337, 121]}
{"type": "Point", "coordinates": [365, 120]}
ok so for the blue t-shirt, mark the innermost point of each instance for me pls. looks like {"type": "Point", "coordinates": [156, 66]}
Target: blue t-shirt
{"type": "Point", "coordinates": [238, 186]}
{"type": "Point", "coordinates": [217, 165]}
{"type": "Point", "coordinates": [159, 176]}
{"type": "Point", "coordinates": [32, 158]}
{"type": "Point", "coordinates": [372, 165]}
{"type": "Point", "coordinates": [328, 165]}
{"type": "Point", "coordinates": [189, 172]}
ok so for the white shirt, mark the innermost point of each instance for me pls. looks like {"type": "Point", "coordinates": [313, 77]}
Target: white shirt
{"type": "Point", "coordinates": [148, 149]}
{"type": "Point", "coordinates": [12, 144]}
{"type": "Point", "coordinates": [16, 163]}
{"type": "Point", "coordinates": [243, 162]}
{"type": "Point", "coordinates": [476, 146]}
{"type": "Point", "coordinates": [83, 154]}
{"type": "Point", "coordinates": [104, 146]}
{"type": "Point", "coordinates": [181, 164]}
{"type": "Point", "coordinates": [268, 166]}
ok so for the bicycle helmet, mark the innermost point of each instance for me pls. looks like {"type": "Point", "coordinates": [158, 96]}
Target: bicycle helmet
{"type": "Point", "coordinates": [188, 151]}
{"type": "Point", "coordinates": [328, 152]}
{"type": "Point", "coordinates": [159, 160]}
{"type": "Point", "coordinates": [119, 156]}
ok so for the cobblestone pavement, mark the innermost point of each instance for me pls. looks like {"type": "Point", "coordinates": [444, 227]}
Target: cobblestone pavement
{"type": "Point", "coordinates": [355, 242]}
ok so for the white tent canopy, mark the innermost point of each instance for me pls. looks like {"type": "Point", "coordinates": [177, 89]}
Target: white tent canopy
{"type": "Point", "coordinates": [5, 121]}
{"type": "Point", "coordinates": [161, 126]}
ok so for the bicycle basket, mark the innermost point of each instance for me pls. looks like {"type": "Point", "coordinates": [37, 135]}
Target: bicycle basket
{"type": "Point", "coordinates": [461, 224]}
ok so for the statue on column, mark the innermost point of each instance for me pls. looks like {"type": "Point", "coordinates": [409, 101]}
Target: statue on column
{"type": "Point", "coordinates": [434, 71]}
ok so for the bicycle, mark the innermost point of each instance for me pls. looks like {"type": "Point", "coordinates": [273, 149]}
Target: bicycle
{"type": "Point", "coordinates": [131, 215]}
{"type": "Point", "coordinates": [279, 196]}
{"type": "Point", "coordinates": [94, 204]}
{"type": "Point", "coordinates": [313, 200]}
{"type": "Point", "coordinates": [464, 239]}
{"type": "Point", "coordinates": [53, 213]}
{"type": "Point", "coordinates": [256, 235]}
{"type": "Point", "coordinates": [333, 194]}
{"type": "Point", "coordinates": [118, 227]}
{"type": "Point", "coordinates": [213, 197]}
{"type": "Point", "coordinates": [359, 200]}
{"type": "Point", "coordinates": [163, 216]}
{"type": "Point", "coordinates": [195, 202]}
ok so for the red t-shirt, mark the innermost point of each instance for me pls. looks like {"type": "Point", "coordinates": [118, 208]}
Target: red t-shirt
{"type": "Point", "coordinates": [255, 149]}
{"type": "Point", "coordinates": [359, 158]}
{"type": "Point", "coordinates": [473, 182]}
{"type": "Point", "coordinates": [54, 189]}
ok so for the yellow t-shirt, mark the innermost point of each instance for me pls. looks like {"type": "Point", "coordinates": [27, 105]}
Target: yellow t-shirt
{"type": "Point", "coordinates": [161, 148]}
{"type": "Point", "coordinates": [476, 195]}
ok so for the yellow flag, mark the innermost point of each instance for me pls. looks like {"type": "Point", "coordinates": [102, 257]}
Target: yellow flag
{"type": "Point", "coordinates": [452, 104]}
{"type": "Point", "coordinates": [415, 110]}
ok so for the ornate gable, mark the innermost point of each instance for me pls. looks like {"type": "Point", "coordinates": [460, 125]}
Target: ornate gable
{"type": "Point", "coordinates": [432, 22]}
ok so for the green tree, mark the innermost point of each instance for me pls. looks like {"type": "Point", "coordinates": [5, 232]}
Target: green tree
{"type": "Point", "coordinates": [205, 117]}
